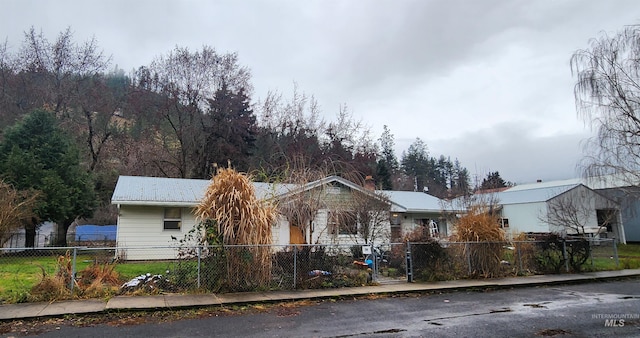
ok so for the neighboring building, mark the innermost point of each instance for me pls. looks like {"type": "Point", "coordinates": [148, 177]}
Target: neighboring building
{"type": "Point", "coordinates": [82, 234]}
{"type": "Point", "coordinates": [567, 207]}
{"type": "Point", "coordinates": [413, 209]}
{"type": "Point", "coordinates": [157, 212]}
{"type": "Point", "coordinates": [42, 239]}
{"type": "Point", "coordinates": [626, 192]}
{"type": "Point", "coordinates": [627, 198]}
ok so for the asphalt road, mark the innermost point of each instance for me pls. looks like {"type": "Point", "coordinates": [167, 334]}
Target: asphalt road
{"type": "Point", "coordinates": [579, 310]}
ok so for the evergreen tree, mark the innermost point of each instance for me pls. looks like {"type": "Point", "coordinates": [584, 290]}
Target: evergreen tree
{"type": "Point", "coordinates": [388, 163]}
{"type": "Point", "coordinates": [415, 164]}
{"type": "Point", "coordinates": [230, 129]}
{"type": "Point", "coordinates": [36, 154]}
{"type": "Point", "coordinates": [387, 145]}
{"type": "Point", "coordinates": [493, 181]}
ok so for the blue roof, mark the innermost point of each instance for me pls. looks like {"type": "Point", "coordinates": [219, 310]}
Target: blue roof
{"type": "Point", "coordinates": [96, 232]}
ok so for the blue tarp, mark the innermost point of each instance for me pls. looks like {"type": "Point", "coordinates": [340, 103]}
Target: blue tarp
{"type": "Point", "coordinates": [95, 233]}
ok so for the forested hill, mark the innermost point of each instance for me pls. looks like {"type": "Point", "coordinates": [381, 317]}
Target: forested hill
{"type": "Point", "coordinates": [190, 110]}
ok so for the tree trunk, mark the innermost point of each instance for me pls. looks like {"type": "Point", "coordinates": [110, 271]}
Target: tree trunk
{"type": "Point", "coordinates": [60, 239]}
{"type": "Point", "coordinates": [29, 235]}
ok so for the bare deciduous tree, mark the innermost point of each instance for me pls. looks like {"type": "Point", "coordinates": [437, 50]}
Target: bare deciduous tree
{"type": "Point", "coordinates": [310, 190]}
{"type": "Point", "coordinates": [186, 82]}
{"type": "Point", "coordinates": [372, 211]}
{"type": "Point", "coordinates": [575, 214]}
{"type": "Point", "coordinates": [607, 95]}
{"type": "Point", "coordinates": [16, 207]}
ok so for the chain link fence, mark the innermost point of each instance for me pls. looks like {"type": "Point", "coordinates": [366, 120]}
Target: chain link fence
{"type": "Point", "coordinates": [31, 274]}
{"type": "Point", "coordinates": [47, 239]}
{"type": "Point", "coordinates": [455, 260]}
{"type": "Point", "coordinates": [18, 239]}
{"type": "Point", "coordinates": [43, 274]}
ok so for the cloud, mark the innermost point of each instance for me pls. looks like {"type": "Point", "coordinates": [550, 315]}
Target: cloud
{"type": "Point", "coordinates": [455, 73]}
{"type": "Point", "coordinates": [516, 152]}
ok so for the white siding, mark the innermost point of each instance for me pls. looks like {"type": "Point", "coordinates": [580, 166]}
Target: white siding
{"type": "Point", "coordinates": [322, 235]}
{"type": "Point", "coordinates": [280, 232]}
{"type": "Point", "coordinates": [142, 227]}
{"type": "Point", "coordinates": [586, 212]}
{"type": "Point", "coordinates": [525, 217]}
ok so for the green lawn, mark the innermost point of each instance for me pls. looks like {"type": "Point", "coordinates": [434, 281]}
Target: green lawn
{"type": "Point", "coordinates": [19, 274]}
{"type": "Point", "coordinates": [628, 257]}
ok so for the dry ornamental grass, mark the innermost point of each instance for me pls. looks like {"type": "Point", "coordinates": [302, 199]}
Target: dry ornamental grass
{"type": "Point", "coordinates": [242, 219]}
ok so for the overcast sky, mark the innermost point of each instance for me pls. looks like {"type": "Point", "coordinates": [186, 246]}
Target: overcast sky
{"type": "Point", "coordinates": [486, 81]}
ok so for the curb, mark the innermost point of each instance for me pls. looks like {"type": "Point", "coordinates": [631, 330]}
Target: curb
{"type": "Point", "coordinates": [180, 301]}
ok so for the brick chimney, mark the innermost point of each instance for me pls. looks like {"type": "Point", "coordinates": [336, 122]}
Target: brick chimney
{"type": "Point", "coordinates": [369, 183]}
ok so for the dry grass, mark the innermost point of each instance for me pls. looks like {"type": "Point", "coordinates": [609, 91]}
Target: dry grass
{"type": "Point", "coordinates": [94, 281]}
{"type": "Point", "coordinates": [242, 219]}
{"type": "Point", "coordinates": [527, 252]}
{"type": "Point", "coordinates": [57, 286]}
{"type": "Point", "coordinates": [99, 280]}
{"type": "Point", "coordinates": [479, 224]}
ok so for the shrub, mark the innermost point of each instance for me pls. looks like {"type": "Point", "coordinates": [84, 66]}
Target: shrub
{"type": "Point", "coordinates": [240, 218]}
{"type": "Point", "coordinates": [524, 255]}
{"type": "Point", "coordinates": [428, 257]}
{"type": "Point", "coordinates": [480, 224]}
{"type": "Point", "coordinates": [57, 286]}
{"type": "Point", "coordinates": [551, 257]}
{"type": "Point", "coordinates": [99, 280]}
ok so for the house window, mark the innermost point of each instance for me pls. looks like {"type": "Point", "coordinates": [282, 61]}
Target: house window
{"type": "Point", "coordinates": [172, 218]}
{"type": "Point", "coordinates": [395, 220]}
{"type": "Point", "coordinates": [606, 218]}
{"type": "Point", "coordinates": [342, 223]}
{"type": "Point", "coordinates": [504, 222]}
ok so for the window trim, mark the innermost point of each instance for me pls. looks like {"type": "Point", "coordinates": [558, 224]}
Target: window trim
{"type": "Point", "coordinates": [168, 220]}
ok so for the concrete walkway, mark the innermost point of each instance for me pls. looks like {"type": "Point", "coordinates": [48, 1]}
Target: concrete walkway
{"type": "Point", "coordinates": [174, 301]}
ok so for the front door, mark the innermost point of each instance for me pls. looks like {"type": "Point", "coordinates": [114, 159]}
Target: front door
{"type": "Point", "coordinates": [295, 235]}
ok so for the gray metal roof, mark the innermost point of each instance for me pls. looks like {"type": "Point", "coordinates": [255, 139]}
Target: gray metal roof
{"type": "Point", "coordinates": [533, 193]}
{"type": "Point", "coordinates": [411, 201]}
{"type": "Point", "coordinates": [597, 182]}
{"type": "Point", "coordinates": [546, 184]}
{"type": "Point", "coordinates": [139, 190]}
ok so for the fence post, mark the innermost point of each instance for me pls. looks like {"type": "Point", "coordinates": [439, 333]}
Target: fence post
{"type": "Point", "coordinates": [518, 245]}
{"type": "Point", "coordinates": [468, 254]}
{"type": "Point", "coordinates": [199, 263]}
{"type": "Point", "coordinates": [73, 269]}
{"type": "Point", "coordinates": [615, 253]}
{"type": "Point", "coordinates": [373, 258]}
{"type": "Point", "coordinates": [409, 265]}
{"type": "Point", "coordinates": [564, 254]}
{"type": "Point", "coordinates": [591, 250]}
{"type": "Point", "coordinates": [295, 266]}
